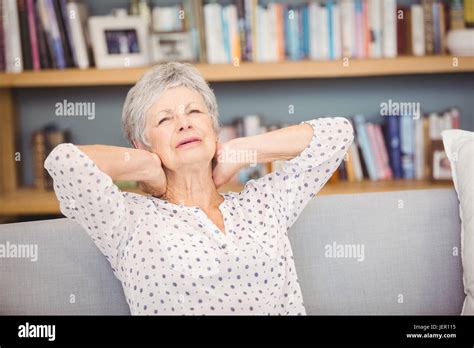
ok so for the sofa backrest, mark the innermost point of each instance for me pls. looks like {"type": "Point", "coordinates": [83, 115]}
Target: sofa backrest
{"type": "Point", "coordinates": [405, 243]}
{"type": "Point", "coordinates": [411, 253]}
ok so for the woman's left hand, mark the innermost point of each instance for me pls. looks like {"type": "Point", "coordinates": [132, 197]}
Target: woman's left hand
{"type": "Point", "coordinates": [226, 165]}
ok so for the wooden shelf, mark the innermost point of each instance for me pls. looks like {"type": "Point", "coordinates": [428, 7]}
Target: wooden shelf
{"type": "Point", "coordinates": [27, 201]}
{"type": "Point", "coordinates": [404, 65]}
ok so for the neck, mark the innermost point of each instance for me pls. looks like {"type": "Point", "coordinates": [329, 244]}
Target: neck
{"type": "Point", "coordinates": [192, 187]}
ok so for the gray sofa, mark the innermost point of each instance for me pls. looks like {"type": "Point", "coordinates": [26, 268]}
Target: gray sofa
{"type": "Point", "coordinates": [409, 263]}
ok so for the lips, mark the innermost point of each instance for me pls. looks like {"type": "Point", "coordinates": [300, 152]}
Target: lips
{"type": "Point", "coordinates": [188, 140]}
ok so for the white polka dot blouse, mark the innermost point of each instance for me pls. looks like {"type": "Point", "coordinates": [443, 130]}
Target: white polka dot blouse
{"type": "Point", "coordinates": [172, 259]}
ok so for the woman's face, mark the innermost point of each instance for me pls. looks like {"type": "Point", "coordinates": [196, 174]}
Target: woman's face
{"type": "Point", "coordinates": [180, 113]}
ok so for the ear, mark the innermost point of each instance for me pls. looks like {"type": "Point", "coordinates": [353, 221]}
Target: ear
{"type": "Point", "coordinates": [138, 145]}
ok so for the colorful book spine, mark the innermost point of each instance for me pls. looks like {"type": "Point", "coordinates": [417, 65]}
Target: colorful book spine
{"type": "Point", "coordinates": [469, 13]}
{"type": "Point", "coordinates": [418, 30]}
{"type": "Point", "coordinates": [375, 23]}
{"type": "Point", "coordinates": [35, 55]}
{"type": "Point", "coordinates": [379, 140]}
{"type": "Point", "coordinates": [393, 141]}
{"type": "Point", "coordinates": [389, 28]}
{"type": "Point", "coordinates": [359, 29]}
{"type": "Point", "coordinates": [78, 38]}
{"type": "Point", "coordinates": [64, 20]}
{"type": "Point", "coordinates": [24, 35]}
{"type": "Point", "coordinates": [359, 122]}
{"type": "Point", "coordinates": [428, 25]}
{"type": "Point", "coordinates": [13, 52]}
{"type": "Point", "coordinates": [225, 33]}
{"type": "Point", "coordinates": [348, 25]}
{"type": "Point", "coordinates": [336, 31]}
{"type": "Point", "coordinates": [407, 146]}
{"type": "Point", "coordinates": [419, 149]}
{"type": "Point", "coordinates": [2, 40]}
{"type": "Point", "coordinates": [375, 150]}
{"type": "Point", "coordinates": [331, 26]}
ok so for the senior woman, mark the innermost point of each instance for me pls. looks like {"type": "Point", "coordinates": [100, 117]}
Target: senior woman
{"type": "Point", "coordinates": [186, 248]}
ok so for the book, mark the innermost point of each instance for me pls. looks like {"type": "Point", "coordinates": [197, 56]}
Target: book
{"type": "Point", "coordinates": [456, 14]}
{"type": "Point", "coordinates": [336, 31]}
{"type": "Point", "coordinates": [2, 41]}
{"type": "Point", "coordinates": [79, 39]}
{"type": "Point", "coordinates": [368, 156]}
{"type": "Point", "coordinates": [24, 35]}
{"type": "Point", "coordinates": [404, 30]}
{"type": "Point", "coordinates": [43, 141]}
{"type": "Point", "coordinates": [64, 31]}
{"type": "Point", "coordinates": [419, 149]}
{"type": "Point", "coordinates": [407, 146]}
{"type": "Point", "coordinates": [13, 52]}
{"type": "Point", "coordinates": [360, 29]}
{"type": "Point", "coordinates": [382, 148]}
{"type": "Point", "coordinates": [39, 156]}
{"type": "Point", "coordinates": [389, 28]}
{"type": "Point", "coordinates": [375, 27]}
{"type": "Point", "coordinates": [354, 159]}
{"type": "Point", "coordinates": [214, 34]}
{"type": "Point", "coordinates": [394, 149]}
{"type": "Point", "coordinates": [417, 30]}
{"type": "Point", "coordinates": [375, 150]}
{"type": "Point", "coordinates": [428, 25]}
{"type": "Point", "coordinates": [58, 45]}
{"type": "Point", "coordinates": [469, 13]}
{"type": "Point", "coordinates": [46, 27]}
{"type": "Point", "coordinates": [347, 30]}
{"type": "Point", "coordinates": [33, 35]}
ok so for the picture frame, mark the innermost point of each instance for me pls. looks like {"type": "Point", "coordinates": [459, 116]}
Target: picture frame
{"type": "Point", "coordinates": [441, 166]}
{"type": "Point", "coordinates": [119, 41]}
{"type": "Point", "coordinates": [172, 46]}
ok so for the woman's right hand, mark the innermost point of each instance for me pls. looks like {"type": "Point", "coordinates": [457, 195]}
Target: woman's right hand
{"type": "Point", "coordinates": [157, 186]}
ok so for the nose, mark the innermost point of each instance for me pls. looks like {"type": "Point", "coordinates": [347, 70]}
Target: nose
{"type": "Point", "coordinates": [183, 122]}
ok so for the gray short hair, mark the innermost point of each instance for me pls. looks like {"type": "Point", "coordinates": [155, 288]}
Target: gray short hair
{"type": "Point", "coordinates": [151, 85]}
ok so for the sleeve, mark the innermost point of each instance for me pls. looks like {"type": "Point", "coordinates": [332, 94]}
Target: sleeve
{"type": "Point", "coordinates": [88, 196]}
{"type": "Point", "coordinates": [302, 177]}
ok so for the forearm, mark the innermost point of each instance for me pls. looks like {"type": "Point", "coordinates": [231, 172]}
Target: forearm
{"type": "Point", "coordinates": [281, 144]}
{"type": "Point", "coordinates": [122, 163]}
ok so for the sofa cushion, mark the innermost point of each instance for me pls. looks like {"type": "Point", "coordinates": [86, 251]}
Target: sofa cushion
{"type": "Point", "coordinates": [459, 147]}
{"type": "Point", "coordinates": [404, 258]}
{"type": "Point", "coordinates": [70, 275]}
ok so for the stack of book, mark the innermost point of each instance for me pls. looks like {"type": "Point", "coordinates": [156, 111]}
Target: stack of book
{"type": "Point", "coordinates": [329, 29]}
{"type": "Point", "coordinates": [43, 34]}
{"type": "Point", "coordinates": [404, 147]}
{"type": "Point", "coordinates": [43, 141]}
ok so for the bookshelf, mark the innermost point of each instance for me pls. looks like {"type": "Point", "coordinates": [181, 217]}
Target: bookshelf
{"type": "Point", "coordinates": [18, 200]}
{"type": "Point", "coordinates": [307, 69]}
{"type": "Point", "coordinates": [25, 201]}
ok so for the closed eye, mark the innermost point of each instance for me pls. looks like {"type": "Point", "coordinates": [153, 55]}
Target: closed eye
{"type": "Point", "coordinates": [194, 111]}
{"type": "Point", "coordinates": [163, 119]}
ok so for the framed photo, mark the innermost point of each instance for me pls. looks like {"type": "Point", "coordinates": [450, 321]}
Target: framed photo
{"type": "Point", "coordinates": [176, 46]}
{"type": "Point", "coordinates": [441, 165]}
{"type": "Point", "coordinates": [119, 42]}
